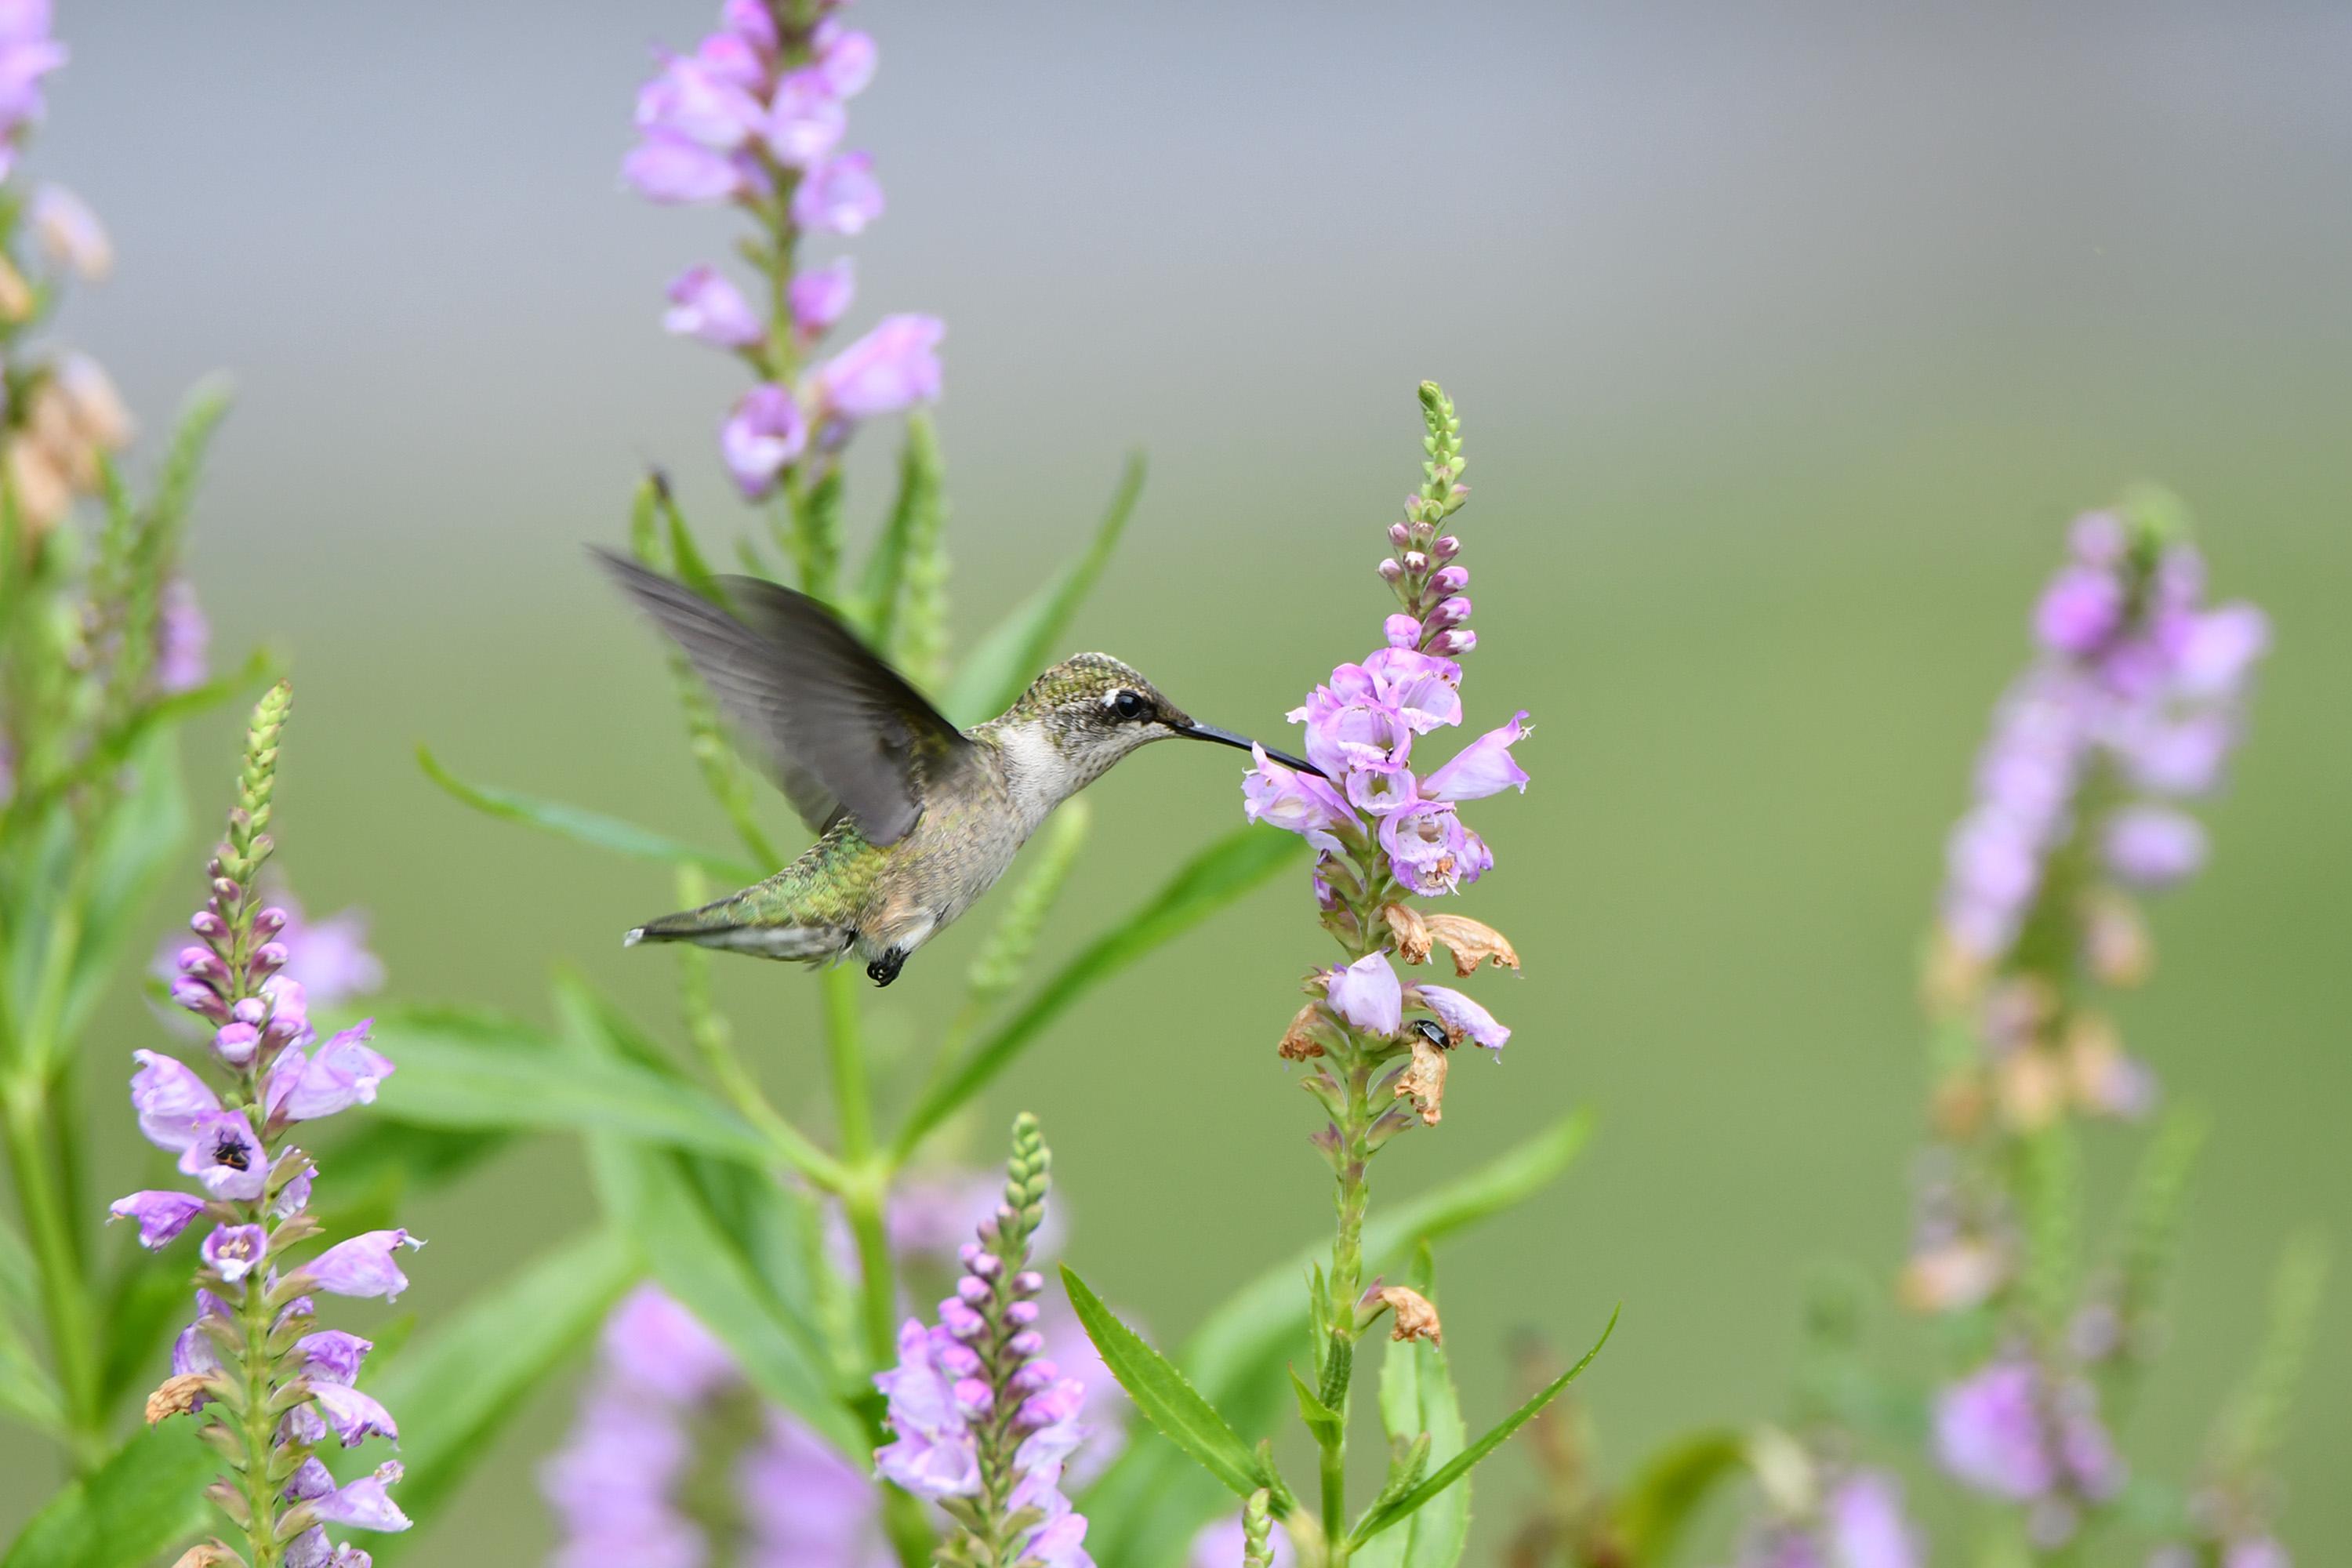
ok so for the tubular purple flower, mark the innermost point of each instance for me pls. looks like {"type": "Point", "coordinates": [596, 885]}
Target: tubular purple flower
{"type": "Point", "coordinates": [688, 101]}
{"type": "Point", "coordinates": [672, 169]}
{"type": "Point", "coordinates": [223, 1154]}
{"type": "Point", "coordinates": [161, 1216]}
{"type": "Point", "coordinates": [845, 56]}
{"type": "Point", "coordinates": [889, 369]}
{"type": "Point", "coordinates": [351, 1416]}
{"type": "Point", "coordinates": [1463, 1018]}
{"type": "Point", "coordinates": [233, 1251]}
{"type": "Point", "coordinates": [704, 305]}
{"type": "Point", "coordinates": [654, 1343]}
{"type": "Point", "coordinates": [1366, 993]}
{"type": "Point", "coordinates": [821, 296]}
{"type": "Point", "coordinates": [331, 1355]}
{"type": "Point", "coordinates": [839, 195]}
{"type": "Point", "coordinates": [805, 122]}
{"type": "Point", "coordinates": [363, 1266]}
{"type": "Point", "coordinates": [933, 1453]}
{"type": "Point", "coordinates": [1295, 802]}
{"type": "Point", "coordinates": [2218, 651]}
{"type": "Point", "coordinates": [182, 638]}
{"type": "Point", "coordinates": [362, 1503]}
{"type": "Point", "coordinates": [766, 431]}
{"type": "Point", "coordinates": [1867, 1525]}
{"type": "Point", "coordinates": [1481, 768]}
{"type": "Point", "coordinates": [1429, 849]}
{"type": "Point", "coordinates": [2152, 847]}
{"type": "Point", "coordinates": [342, 1073]}
{"type": "Point", "coordinates": [2082, 608]}
{"type": "Point", "coordinates": [170, 1099]}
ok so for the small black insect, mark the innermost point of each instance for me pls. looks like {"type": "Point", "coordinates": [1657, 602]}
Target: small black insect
{"type": "Point", "coordinates": [231, 1152]}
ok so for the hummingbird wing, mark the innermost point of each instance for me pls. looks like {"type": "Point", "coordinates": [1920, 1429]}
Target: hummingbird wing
{"type": "Point", "coordinates": [841, 731]}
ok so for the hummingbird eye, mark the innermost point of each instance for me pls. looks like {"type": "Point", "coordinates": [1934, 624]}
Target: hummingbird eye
{"type": "Point", "coordinates": [1130, 705]}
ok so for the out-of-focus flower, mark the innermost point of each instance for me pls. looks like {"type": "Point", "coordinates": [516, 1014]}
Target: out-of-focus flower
{"type": "Point", "coordinates": [889, 369]}
{"type": "Point", "coordinates": [70, 233]}
{"type": "Point", "coordinates": [182, 638]}
{"type": "Point", "coordinates": [839, 195]}
{"type": "Point", "coordinates": [27, 53]}
{"type": "Point", "coordinates": [2009, 1432]}
{"type": "Point", "coordinates": [703, 304]}
{"type": "Point", "coordinates": [821, 296]}
{"type": "Point", "coordinates": [766, 431]}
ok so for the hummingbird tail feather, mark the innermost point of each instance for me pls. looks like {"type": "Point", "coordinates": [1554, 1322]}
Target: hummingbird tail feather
{"type": "Point", "coordinates": [722, 925]}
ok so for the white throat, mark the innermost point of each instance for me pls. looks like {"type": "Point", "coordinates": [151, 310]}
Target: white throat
{"type": "Point", "coordinates": [1037, 772]}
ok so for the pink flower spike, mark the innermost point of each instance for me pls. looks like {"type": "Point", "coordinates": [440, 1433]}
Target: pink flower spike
{"type": "Point", "coordinates": [1366, 993]}
{"type": "Point", "coordinates": [1483, 767]}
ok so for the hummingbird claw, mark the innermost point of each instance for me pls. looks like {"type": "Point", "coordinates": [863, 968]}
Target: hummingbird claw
{"type": "Point", "coordinates": [885, 969]}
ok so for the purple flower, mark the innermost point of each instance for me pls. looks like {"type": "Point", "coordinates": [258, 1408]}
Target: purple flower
{"type": "Point", "coordinates": [672, 169]}
{"type": "Point", "coordinates": [182, 635]}
{"type": "Point", "coordinates": [2082, 608]}
{"type": "Point", "coordinates": [1989, 1432]}
{"type": "Point", "coordinates": [1424, 690]}
{"type": "Point", "coordinates": [887, 371]}
{"type": "Point", "coordinates": [807, 1506]}
{"type": "Point", "coordinates": [351, 1416]}
{"type": "Point", "coordinates": [2151, 847]}
{"type": "Point", "coordinates": [839, 195]}
{"type": "Point", "coordinates": [766, 431]}
{"type": "Point", "coordinates": [342, 1073]}
{"type": "Point", "coordinates": [327, 962]}
{"type": "Point", "coordinates": [331, 1355]}
{"type": "Point", "coordinates": [1429, 850]}
{"type": "Point", "coordinates": [652, 1342]}
{"type": "Point", "coordinates": [363, 1266]}
{"type": "Point", "coordinates": [845, 56]}
{"type": "Point", "coordinates": [233, 1251]}
{"type": "Point", "coordinates": [223, 1154]}
{"type": "Point", "coordinates": [170, 1100]}
{"type": "Point", "coordinates": [805, 122]}
{"type": "Point", "coordinates": [1481, 768]}
{"type": "Point", "coordinates": [705, 305]}
{"type": "Point", "coordinates": [2220, 649]}
{"type": "Point", "coordinates": [691, 102]}
{"type": "Point", "coordinates": [161, 1216]}
{"type": "Point", "coordinates": [1366, 993]}
{"type": "Point", "coordinates": [361, 1503]}
{"type": "Point", "coordinates": [821, 296]}
{"type": "Point", "coordinates": [1295, 802]}
{"type": "Point", "coordinates": [1463, 1018]}
{"type": "Point", "coordinates": [1867, 1524]}
{"type": "Point", "coordinates": [933, 1453]}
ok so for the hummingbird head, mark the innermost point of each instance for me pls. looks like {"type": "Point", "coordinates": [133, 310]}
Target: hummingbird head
{"type": "Point", "coordinates": [1091, 709]}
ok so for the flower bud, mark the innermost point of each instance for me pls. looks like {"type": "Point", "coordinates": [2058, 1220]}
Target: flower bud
{"type": "Point", "coordinates": [1415, 562]}
{"type": "Point", "coordinates": [1451, 611]}
{"type": "Point", "coordinates": [269, 922]}
{"type": "Point", "coordinates": [1034, 1378]}
{"type": "Point", "coordinates": [1449, 579]}
{"type": "Point", "coordinates": [1392, 570]}
{"type": "Point", "coordinates": [1021, 1315]}
{"type": "Point", "coordinates": [973, 1396]}
{"type": "Point", "coordinates": [236, 1043]}
{"type": "Point", "coordinates": [1445, 547]}
{"type": "Point", "coordinates": [1027, 1342]}
{"type": "Point", "coordinates": [208, 925]}
{"type": "Point", "coordinates": [1028, 1283]}
{"type": "Point", "coordinates": [960, 1359]}
{"type": "Point", "coordinates": [985, 1265]}
{"type": "Point", "coordinates": [200, 999]}
{"type": "Point", "coordinates": [250, 1010]}
{"type": "Point", "coordinates": [1399, 534]}
{"type": "Point", "coordinates": [1453, 644]}
{"type": "Point", "coordinates": [973, 1291]}
{"type": "Point", "coordinates": [226, 890]}
{"type": "Point", "coordinates": [204, 964]}
{"type": "Point", "coordinates": [267, 960]}
{"type": "Point", "coordinates": [961, 1321]}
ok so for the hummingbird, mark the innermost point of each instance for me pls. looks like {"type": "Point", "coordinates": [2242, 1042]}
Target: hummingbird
{"type": "Point", "coordinates": [915, 818]}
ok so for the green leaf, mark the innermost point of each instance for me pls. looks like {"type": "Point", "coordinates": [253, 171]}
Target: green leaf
{"type": "Point", "coordinates": [1170, 1403]}
{"type": "Point", "coordinates": [1323, 1422]}
{"type": "Point", "coordinates": [1009, 657]}
{"type": "Point", "coordinates": [1146, 1505]}
{"type": "Point", "coordinates": [459, 1388]}
{"type": "Point", "coordinates": [466, 1071]}
{"type": "Point", "coordinates": [140, 842]}
{"type": "Point", "coordinates": [148, 1300]}
{"type": "Point", "coordinates": [26, 1391]}
{"type": "Point", "coordinates": [885, 565]}
{"type": "Point", "coordinates": [146, 1500]}
{"type": "Point", "coordinates": [1417, 1402]}
{"type": "Point", "coordinates": [1460, 1465]}
{"type": "Point", "coordinates": [1665, 1494]}
{"type": "Point", "coordinates": [584, 827]}
{"type": "Point", "coordinates": [1216, 877]}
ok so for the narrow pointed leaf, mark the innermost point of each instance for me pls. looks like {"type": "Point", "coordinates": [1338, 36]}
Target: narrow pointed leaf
{"type": "Point", "coordinates": [1216, 877]}
{"type": "Point", "coordinates": [1460, 1465]}
{"type": "Point", "coordinates": [26, 1391]}
{"type": "Point", "coordinates": [1418, 1404]}
{"type": "Point", "coordinates": [461, 1072]}
{"type": "Point", "coordinates": [139, 1504]}
{"type": "Point", "coordinates": [886, 566]}
{"type": "Point", "coordinates": [1323, 1422]}
{"type": "Point", "coordinates": [459, 1387]}
{"type": "Point", "coordinates": [1027, 641]}
{"type": "Point", "coordinates": [584, 827]}
{"type": "Point", "coordinates": [1170, 1403]}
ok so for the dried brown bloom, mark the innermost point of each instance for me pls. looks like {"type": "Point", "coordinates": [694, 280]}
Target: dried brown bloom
{"type": "Point", "coordinates": [16, 294]}
{"type": "Point", "coordinates": [1424, 1081]}
{"type": "Point", "coordinates": [1410, 931]}
{"type": "Point", "coordinates": [1950, 1279]}
{"type": "Point", "coordinates": [43, 496]}
{"type": "Point", "coordinates": [1471, 943]}
{"type": "Point", "coordinates": [208, 1554]}
{"type": "Point", "coordinates": [1298, 1041]}
{"type": "Point", "coordinates": [1415, 1318]}
{"type": "Point", "coordinates": [2116, 941]}
{"type": "Point", "coordinates": [2032, 1090]}
{"type": "Point", "coordinates": [1957, 1109]}
{"type": "Point", "coordinates": [1952, 977]}
{"type": "Point", "coordinates": [177, 1397]}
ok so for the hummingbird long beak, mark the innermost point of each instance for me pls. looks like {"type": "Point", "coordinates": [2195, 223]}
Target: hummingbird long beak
{"type": "Point", "coordinates": [1243, 743]}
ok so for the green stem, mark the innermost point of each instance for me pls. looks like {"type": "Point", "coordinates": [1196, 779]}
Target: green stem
{"type": "Point", "coordinates": [258, 1427]}
{"type": "Point", "coordinates": [862, 1195]}
{"type": "Point", "coordinates": [65, 1292]}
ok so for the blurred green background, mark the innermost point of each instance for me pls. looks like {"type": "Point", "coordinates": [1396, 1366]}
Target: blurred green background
{"type": "Point", "coordinates": [1786, 339]}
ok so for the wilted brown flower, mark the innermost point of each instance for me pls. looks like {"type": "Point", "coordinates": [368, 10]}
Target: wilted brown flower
{"type": "Point", "coordinates": [177, 1397]}
{"type": "Point", "coordinates": [1415, 1318]}
{"type": "Point", "coordinates": [1410, 931]}
{"type": "Point", "coordinates": [1298, 1041]}
{"type": "Point", "coordinates": [208, 1554]}
{"type": "Point", "coordinates": [1424, 1081]}
{"type": "Point", "coordinates": [1471, 943]}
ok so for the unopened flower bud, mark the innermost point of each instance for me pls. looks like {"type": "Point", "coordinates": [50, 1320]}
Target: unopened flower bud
{"type": "Point", "coordinates": [960, 1359]}
{"type": "Point", "coordinates": [1399, 534]}
{"type": "Point", "coordinates": [1449, 579]}
{"type": "Point", "coordinates": [973, 1396]}
{"type": "Point", "coordinates": [1392, 570]}
{"type": "Point", "coordinates": [269, 922]}
{"type": "Point", "coordinates": [200, 999]}
{"type": "Point", "coordinates": [1453, 644]}
{"type": "Point", "coordinates": [973, 1291]}
{"type": "Point", "coordinates": [267, 960]}
{"type": "Point", "coordinates": [1027, 1342]}
{"type": "Point", "coordinates": [205, 964]}
{"type": "Point", "coordinates": [1445, 547]}
{"type": "Point", "coordinates": [1021, 1315]}
{"type": "Point", "coordinates": [1451, 611]}
{"type": "Point", "coordinates": [959, 1320]}
{"type": "Point", "coordinates": [1028, 1283]}
{"type": "Point", "coordinates": [1415, 562]}
{"type": "Point", "coordinates": [236, 1043]}
{"type": "Point", "coordinates": [1034, 1378]}
{"type": "Point", "coordinates": [226, 890]}
{"type": "Point", "coordinates": [984, 1263]}
{"type": "Point", "coordinates": [967, 1252]}
{"type": "Point", "coordinates": [208, 925]}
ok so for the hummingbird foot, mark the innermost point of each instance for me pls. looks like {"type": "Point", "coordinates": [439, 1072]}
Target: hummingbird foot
{"type": "Point", "coordinates": [885, 969]}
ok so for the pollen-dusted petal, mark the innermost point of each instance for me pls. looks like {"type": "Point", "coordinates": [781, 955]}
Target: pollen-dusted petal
{"type": "Point", "coordinates": [1415, 1317]}
{"type": "Point", "coordinates": [1412, 933]}
{"type": "Point", "coordinates": [1423, 1082]}
{"type": "Point", "coordinates": [177, 1395]}
{"type": "Point", "coordinates": [1472, 942]}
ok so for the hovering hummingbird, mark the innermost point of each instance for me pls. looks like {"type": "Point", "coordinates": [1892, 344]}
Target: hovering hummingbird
{"type": "Point", "coordinates": [916, 818]}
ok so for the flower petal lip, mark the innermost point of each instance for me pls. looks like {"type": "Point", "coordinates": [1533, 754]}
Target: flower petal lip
{"type": "Point", "coordinates": [162, 1216]}
{"type": "Point", "coordinates": [1367, 995]}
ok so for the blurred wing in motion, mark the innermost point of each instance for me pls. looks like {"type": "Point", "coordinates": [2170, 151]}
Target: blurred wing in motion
{"type": "Point", "coordinates": [839, 731]}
